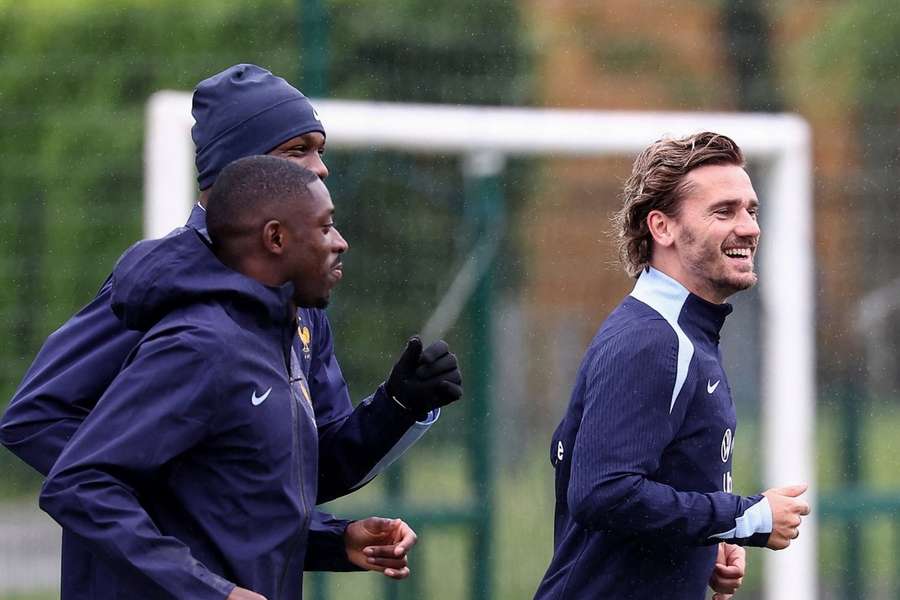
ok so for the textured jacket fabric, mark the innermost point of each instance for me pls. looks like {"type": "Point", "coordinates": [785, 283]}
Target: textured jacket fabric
{"type": "Point", "coordinates": [197, 468]}
{"type": "Point", "coordinates": [643, 456]}
{"type": "Point", "coordinates": [79, 361]}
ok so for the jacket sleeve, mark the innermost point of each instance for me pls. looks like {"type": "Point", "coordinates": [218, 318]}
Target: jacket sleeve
{"type": "Point", "coordinates": [71, 371]}
{"type": "Point", "coordinates": [327, 550]}
{"type": "Point", "coordinates": [625, 427]}
{"type": "Point", "coordinates": [141, 423]}
{"type": "Point", "coordinates": [355, 444]}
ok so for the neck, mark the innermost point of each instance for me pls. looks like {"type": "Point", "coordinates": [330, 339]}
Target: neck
{"type": "Point", "coordinates": [672, 267]}
{"type": "Point", "coordinates": [252, 267]}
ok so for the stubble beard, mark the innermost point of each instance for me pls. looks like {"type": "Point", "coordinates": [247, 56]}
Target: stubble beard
{"type": "Point", "coordinates": [708, 264]}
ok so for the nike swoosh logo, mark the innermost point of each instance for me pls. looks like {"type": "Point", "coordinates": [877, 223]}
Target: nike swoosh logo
{"type": "Point", "coordinates": [710, 387]}
{"type": "Point", "coordinates": [257, 400]}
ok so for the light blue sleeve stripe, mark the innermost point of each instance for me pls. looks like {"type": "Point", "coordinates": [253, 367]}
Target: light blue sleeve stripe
{"type": "Point", "coordinates": [756, 519]}
{"type": "Point", "coordinates": [685, 353]}
{"type": "Point", "coordinates": [666, 296]}
{"type": "Point", "coordinates": [412, 435]}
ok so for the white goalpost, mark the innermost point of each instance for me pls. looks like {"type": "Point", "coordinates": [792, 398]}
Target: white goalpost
{"type": "Point", "coordinates": [780, 143]}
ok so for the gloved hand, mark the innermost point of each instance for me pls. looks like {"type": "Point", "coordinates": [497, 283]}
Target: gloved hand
{"type": "Point", "coordinates": [423, 380]}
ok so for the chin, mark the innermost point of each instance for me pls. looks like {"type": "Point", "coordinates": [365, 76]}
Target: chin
{"type": "Point", "coordinates": [320, 302]}
{"type": "Point", "coordinates": [745, 281]}
{"type": "Point", "coordinates": [732, 285]}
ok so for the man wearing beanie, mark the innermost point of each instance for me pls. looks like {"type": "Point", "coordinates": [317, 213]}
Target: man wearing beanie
{"type": "Point", "coordinates": [244, 110]}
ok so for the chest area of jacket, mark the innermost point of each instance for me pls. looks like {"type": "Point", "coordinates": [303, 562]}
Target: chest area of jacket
{"type": "Point", "coordinates": [705, 417]}
{"type": "Point", "coordinates": [264, 410]}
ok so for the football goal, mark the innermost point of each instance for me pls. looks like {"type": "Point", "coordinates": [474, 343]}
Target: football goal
{"type": "Point", "coordinates": [778, 145]}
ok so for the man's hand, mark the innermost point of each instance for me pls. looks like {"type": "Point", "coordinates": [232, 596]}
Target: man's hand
{"type": "Point", "coordinates": [378, 544]}
{"type": "Point", "coordinates": [786, 512]}
{"type": "Point", "coordinates": [242, 594]}
{"type": "Point", "coordinates": [728, 574]}
{"type": "Point", "coordinates": [423, 380]}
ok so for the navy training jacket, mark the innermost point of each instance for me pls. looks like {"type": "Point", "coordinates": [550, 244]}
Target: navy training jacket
{"type": "Point", "coordinates": [643, 456]}
{"type": "Point", "coordinates": [78, 362]}
{"type": "Point", "coordinates": [197, 469]}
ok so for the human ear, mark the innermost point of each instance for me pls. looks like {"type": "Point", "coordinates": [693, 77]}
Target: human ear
{"type": "Point", "coordinates": [273, 237]}
{"type": "Point", "coordinates": [661, 228]}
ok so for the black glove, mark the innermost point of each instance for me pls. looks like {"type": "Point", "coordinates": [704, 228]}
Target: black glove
{"type": "Point", "coordinates": [423, 380]}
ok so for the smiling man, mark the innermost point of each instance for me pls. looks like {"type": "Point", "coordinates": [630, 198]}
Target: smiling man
{"type": "Point", "coordinates": [643, 456]}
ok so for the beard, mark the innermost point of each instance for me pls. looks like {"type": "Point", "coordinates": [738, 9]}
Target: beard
{"type": "Point", "coordinates": [709, 265]}
{"type": "Point", "coordinates": [312, 301]}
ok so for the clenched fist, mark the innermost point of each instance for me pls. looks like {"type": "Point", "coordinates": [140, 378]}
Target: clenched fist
{"type": "Point", "coordinates": [423, 380]}
{"type": "Point", "coordinates": [787, 510]}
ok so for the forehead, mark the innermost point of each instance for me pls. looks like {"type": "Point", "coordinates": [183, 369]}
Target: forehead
{"type": "Point", "coordinates": [318, 199]}
{"type": "Point", "coordinates": [712, 183]}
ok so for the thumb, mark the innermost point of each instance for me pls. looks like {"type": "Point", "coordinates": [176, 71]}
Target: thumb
{"type": "Point", "coordinates": [791, 490]}
{"type": "Point", "coordinates": [410, 357]}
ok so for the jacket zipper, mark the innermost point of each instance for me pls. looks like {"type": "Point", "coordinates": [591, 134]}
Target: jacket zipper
{"type": "Point", "coordinates": [297, 452]}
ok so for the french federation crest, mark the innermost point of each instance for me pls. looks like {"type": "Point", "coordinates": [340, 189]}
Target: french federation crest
{"type": "Point", "coordinates": [305, 337]}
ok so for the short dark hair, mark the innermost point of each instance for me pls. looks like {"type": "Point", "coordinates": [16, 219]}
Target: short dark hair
{"type": "Point", "coordinates": [657, 182]}
{"type": "Point", "coordinates": [248, 190]}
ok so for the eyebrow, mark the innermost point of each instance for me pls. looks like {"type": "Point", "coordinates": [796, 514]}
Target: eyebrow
{"type": "Point", "coordinates": [754, 203]}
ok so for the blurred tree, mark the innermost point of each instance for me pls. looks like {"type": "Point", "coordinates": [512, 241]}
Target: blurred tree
{"type": "Point", "coordinates": [76, 76]}
{"type": "Point", "coordinates": [77, 73]}
{"type": "Point", "coordinates": [858, 53]}
{"type": "Point", "coordinates": [748, 35]}
{"type": "Point", "coordinates": [859, 46]}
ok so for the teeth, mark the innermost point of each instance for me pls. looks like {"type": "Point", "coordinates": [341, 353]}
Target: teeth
{"type": "Point", "coordinates": [738, 252]}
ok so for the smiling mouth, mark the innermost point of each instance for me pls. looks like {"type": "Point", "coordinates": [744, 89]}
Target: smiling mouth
{"type": "Point", "coordinates": [739, 253]}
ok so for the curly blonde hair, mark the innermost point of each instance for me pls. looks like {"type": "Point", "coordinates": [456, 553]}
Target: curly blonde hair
{"type": "Point", "coordinates": [657, 182]}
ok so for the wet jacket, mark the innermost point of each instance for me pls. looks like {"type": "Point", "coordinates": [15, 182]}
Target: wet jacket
{"type": "Point", "coordinates": [78, 362]}
{"type": "Point", "coordinates": [197, 468]}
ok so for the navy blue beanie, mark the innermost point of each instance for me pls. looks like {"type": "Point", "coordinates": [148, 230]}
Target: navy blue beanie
{"type": "Point", "coordinates": [245, 111]}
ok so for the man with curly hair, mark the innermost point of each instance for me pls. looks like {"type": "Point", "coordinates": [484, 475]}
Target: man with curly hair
{"type": "Point", "coordinates": [643, 456]}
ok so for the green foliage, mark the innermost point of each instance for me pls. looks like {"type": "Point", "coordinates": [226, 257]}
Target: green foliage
{"type": "Point", "coordinates": [417, 51]}
{"type": "Point", "coordinates": [861, 41]}
{"type": "Point", "coordinates": [76, 77]}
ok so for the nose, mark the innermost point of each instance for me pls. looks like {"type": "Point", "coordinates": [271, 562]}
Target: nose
{"type": "Point", "coordinates": [747, 225]}
{"type": "Point", "coordinates": [340, 244]}
{"type": "Point", "coordinates": [317, 166]}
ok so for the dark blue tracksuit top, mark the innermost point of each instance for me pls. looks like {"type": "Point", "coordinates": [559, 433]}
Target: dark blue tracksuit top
{"type": "Point", "coordinates": [643, 456]}
{"type": "Point", "coordinates": [197, 468]}
{"type": "Point", "coordinates": [78, 362]}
